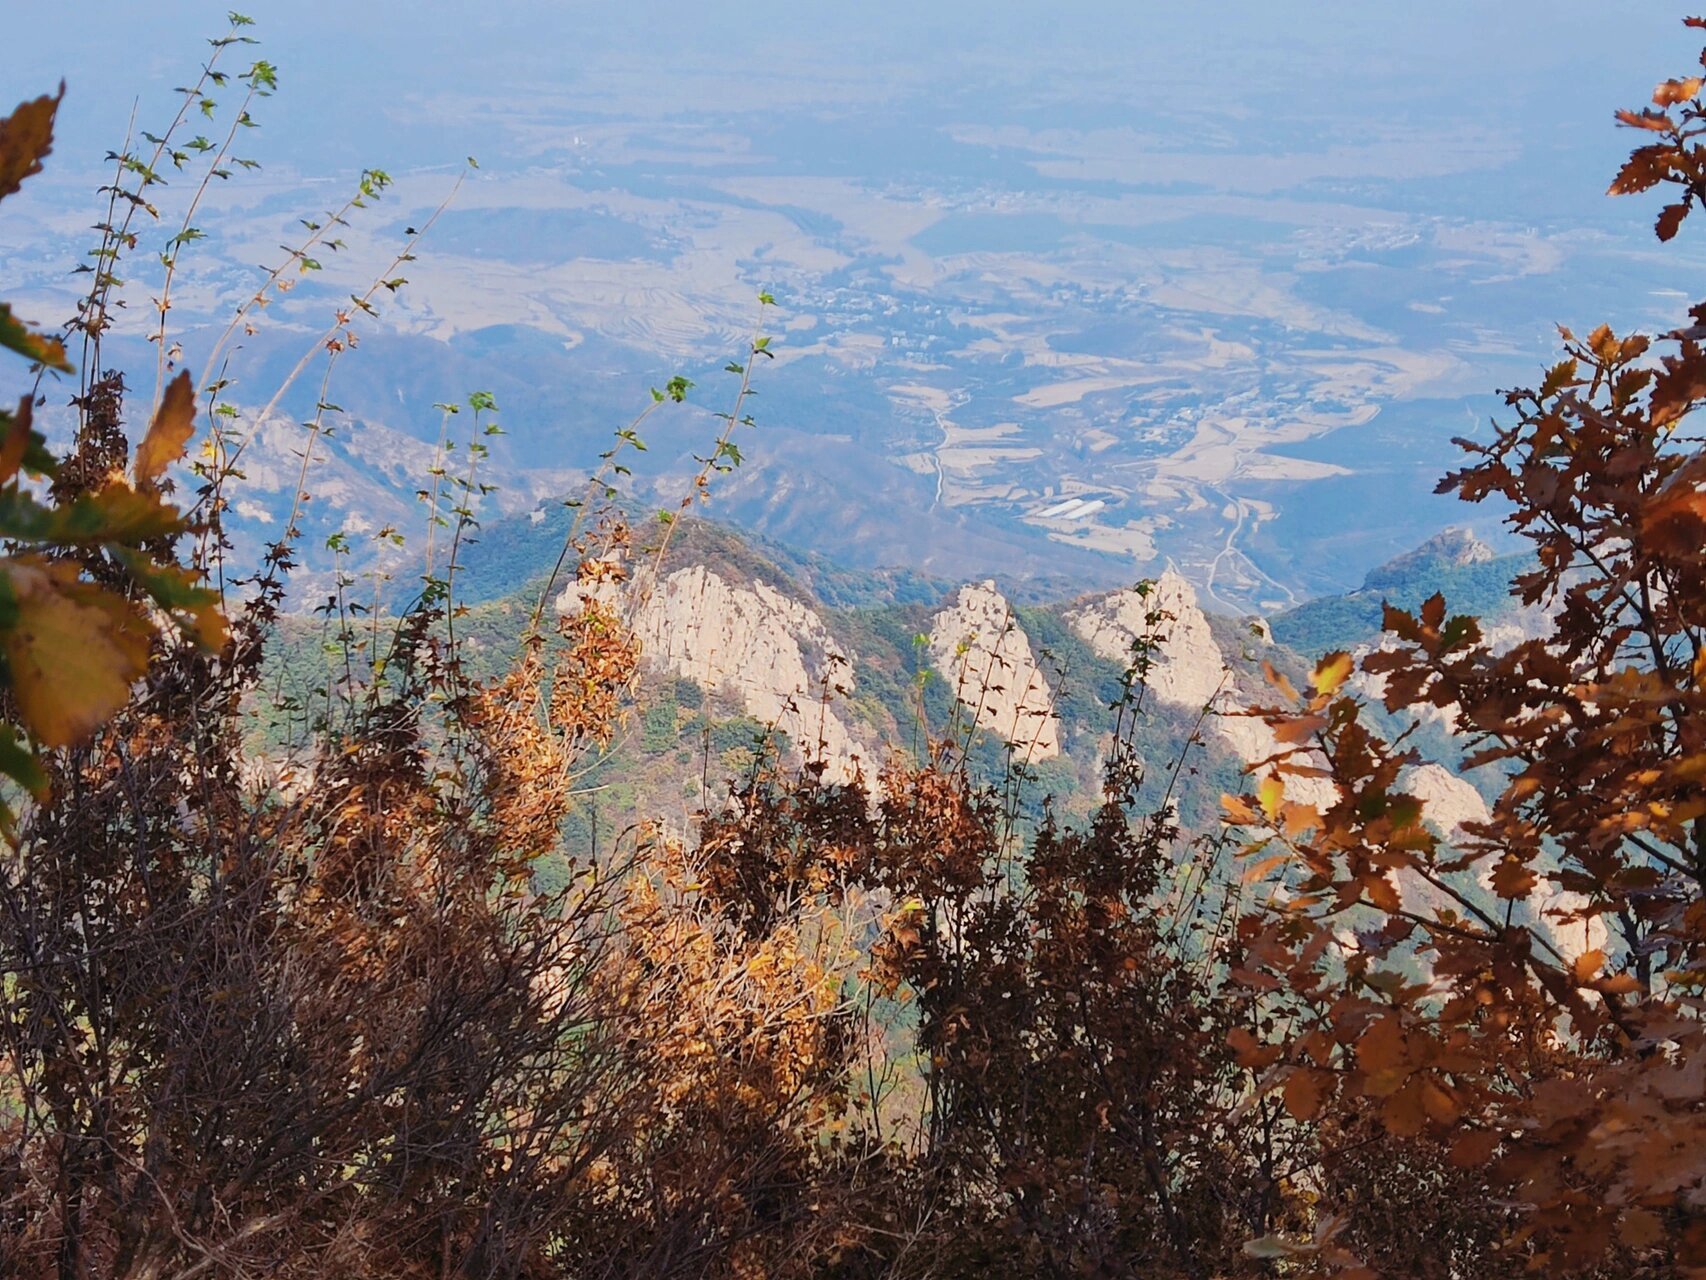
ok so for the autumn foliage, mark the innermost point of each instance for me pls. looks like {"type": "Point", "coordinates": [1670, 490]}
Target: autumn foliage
{"type": "Point", "coordinates": [1524, 1002]}
{"type": "Point", "coordinates": [312, 1012]}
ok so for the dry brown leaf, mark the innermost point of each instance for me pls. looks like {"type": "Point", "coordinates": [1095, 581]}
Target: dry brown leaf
{"type": "Point", "coordinates": [174, 423]}
{"type": "Point", "coordinates": [26, 138]}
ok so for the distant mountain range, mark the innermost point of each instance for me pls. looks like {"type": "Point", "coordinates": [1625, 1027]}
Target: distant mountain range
{"type": "Point", "coordinates": [744, 636]}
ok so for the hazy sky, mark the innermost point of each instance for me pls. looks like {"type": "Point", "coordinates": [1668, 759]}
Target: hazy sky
{"type": "Point", "coordinates": [1160, 215]}
{"type": "Point", "coordinates": [355, 75]}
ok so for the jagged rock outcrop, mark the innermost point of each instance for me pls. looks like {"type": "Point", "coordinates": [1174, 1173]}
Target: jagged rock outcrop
{"type": "Point", "coordinates": [766, 650]}
{"type": "Point", "coordinates": [1187, 668]}
{"type": "Point", "coordinates": [977, 645]}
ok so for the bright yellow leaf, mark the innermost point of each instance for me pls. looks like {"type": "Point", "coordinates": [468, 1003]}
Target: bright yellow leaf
{"type": "Point", "coordinates": [1271, 793]}
{"type": "Point", "coordinates": [1333, 671]}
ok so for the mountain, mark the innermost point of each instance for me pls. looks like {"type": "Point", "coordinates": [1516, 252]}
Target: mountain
{"type": "Point", "coordinates": [732, 635]}
{"type": "Point", "coordinates": [1455, 563]}
{"type": "Point", "coordinates": [753, 654]}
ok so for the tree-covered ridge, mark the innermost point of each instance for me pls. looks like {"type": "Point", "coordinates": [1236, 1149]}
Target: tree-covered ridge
{"type": "Point", "coordinates": [1482, 588]}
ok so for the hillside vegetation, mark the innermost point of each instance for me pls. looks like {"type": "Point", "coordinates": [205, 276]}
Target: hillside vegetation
{"type": "Point", "coordinates": [447, 928]}
{"type": "Point", "coordinates": [1480, 587]}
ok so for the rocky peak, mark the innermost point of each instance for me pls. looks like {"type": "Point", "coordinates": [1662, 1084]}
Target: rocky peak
{"type": "Point", "coordinates": [978, 647]}
{"type": "Point", "coordinates": [767, 651]}
{"type": "Point", "coordinates": [1187, 669]}
{"type": "Point", "coordinates": [1448, 549]}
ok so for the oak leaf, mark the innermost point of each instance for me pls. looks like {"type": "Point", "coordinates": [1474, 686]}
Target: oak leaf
{"type": "Point", "coordinates": [1513, 879]}
{"type": "Point", "coordinates": [1588, 964]}
{"type": "Point", "coordinates": [174, 423]}
{"type": "Point", "coordinates": [1474, 1148]}
{"type": "Point", "coordinates": [1671, 92]}
{"type": "Point", "coordinates": [1306, 1089]}
{"type": "Point", "coordinates": [1271, 793]}
{"type": "Point", "coordinates": [1670, 219]}
{"type": "Point", "coordinates": [1333, 671]}
{"type": "Point", "coordinates": [72, 648]}
{"type": "Point", "coordinates": [26, 138]}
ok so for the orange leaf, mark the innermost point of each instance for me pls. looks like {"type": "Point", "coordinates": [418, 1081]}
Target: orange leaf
{"type": "Point", "coordinates": [1588, 964]}
{"type": "Point", "coordinates": [174, 423]}
{"type": "Point", "coordinates": [1238, 810]}
{"type": "Point", "coordinates": [1513, 879]}
{"type": "Point", "coordinates": [1381, 892]}
{"type": "Point", "coordinates": [1438, 1102]}
{"type": "Point", "coordinates": [26, 138]}
{"type": "Point", "coordinates": [1671, 92]}
{"type": "Point", "coordinates": [1278, 680]}
{"type": "Point", "coordinates": [1296, 729]}
{"type": "Point", "coordinates": [1646, 166]}
{"type": "Point", "coordinates": [1305, 1090]}
{"type": "Point", "coordinates": [1300, 818]}
{"type": "Point", "coordinates": [1383, 1055]}
{"type": "Point", "coordinates": [1474, 1148]}
{"type": "Point", "coordinates": [1650, 120]}
{"type": "Point", "coordinates": [1252, 1054]}
{"type": "Point", "coordinates": [1676, 516]}
{"type": "Point", "coordinates": [1403, 1112]}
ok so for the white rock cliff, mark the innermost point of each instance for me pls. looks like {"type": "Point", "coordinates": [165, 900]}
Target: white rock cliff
{"type": "Point", "coordinates": [765, 650]}
{"type": "Point", "coordinates": [1187, 669]}
{"type": "Point", "coordinates": [976, 644]}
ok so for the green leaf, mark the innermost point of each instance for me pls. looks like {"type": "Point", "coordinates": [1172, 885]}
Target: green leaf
{"type": "Point", "coordinates": [19, 763]}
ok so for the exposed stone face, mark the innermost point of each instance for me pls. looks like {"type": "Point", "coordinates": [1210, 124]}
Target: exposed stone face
{"type": "Point", "coordinates": [766, 650]}
{"type": "Point", "coordinates": [1450, 803]}
{"type": "Point", "coordinates": [1187, 669]}
{"type": "Point", "coordinates": [977, 646]}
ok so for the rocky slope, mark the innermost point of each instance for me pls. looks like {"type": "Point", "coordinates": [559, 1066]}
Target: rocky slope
{"type": "Point", "coordinates": [1187, 668]}
{"type": "Point", "coordinates": [847, 685]}
{"type": "Point", "coordinates": [750, 643]}
{"type": "Point", "coordinates": [977, 645]}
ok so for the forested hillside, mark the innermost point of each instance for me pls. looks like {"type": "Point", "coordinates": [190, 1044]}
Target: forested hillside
{"type": "Point", "coordinates": [603, 894]}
